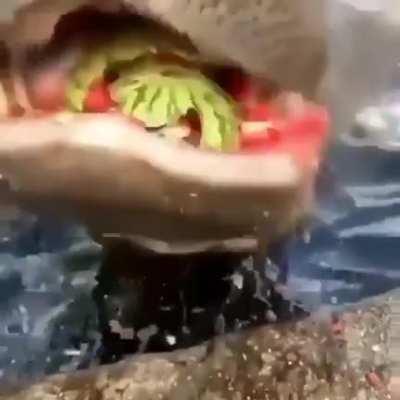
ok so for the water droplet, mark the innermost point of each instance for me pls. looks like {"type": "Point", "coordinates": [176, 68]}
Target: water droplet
{"type": "Point", "coordinates": [171, 339]}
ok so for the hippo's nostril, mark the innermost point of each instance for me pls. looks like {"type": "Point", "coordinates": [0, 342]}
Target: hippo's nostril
{"type": "Point", "coordinates": [359, 132]}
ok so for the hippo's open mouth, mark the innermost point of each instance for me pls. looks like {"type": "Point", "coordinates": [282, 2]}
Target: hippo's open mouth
{"type": "Point", "coordinates": [100, 62]}
{"type": "Point", "coordinates": [161, 126]}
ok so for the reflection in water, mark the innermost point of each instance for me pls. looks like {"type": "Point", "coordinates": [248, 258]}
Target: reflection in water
{"type": "Point", "coordinates": [354, 240]}
{"type": "Point", "coordinates": [82, 306]}
{"type": "Point", "coordinates": [149, 303]}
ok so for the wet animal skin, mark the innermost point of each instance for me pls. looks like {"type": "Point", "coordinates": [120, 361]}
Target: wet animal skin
{"type": "Point", "coordinates": [232, 27]}
{"type": "Point", "coordinates": [280, 40]}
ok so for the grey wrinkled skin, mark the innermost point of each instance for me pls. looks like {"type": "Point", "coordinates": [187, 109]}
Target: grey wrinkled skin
{"type": "Point", "coordinates": [280, 40]}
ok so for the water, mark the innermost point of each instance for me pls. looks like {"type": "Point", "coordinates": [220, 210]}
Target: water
{"type": "Point", "coordinates": [357, 229]}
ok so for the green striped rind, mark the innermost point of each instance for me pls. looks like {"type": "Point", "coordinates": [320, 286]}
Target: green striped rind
{"type": "Point", "coordinates": [160, 94]}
